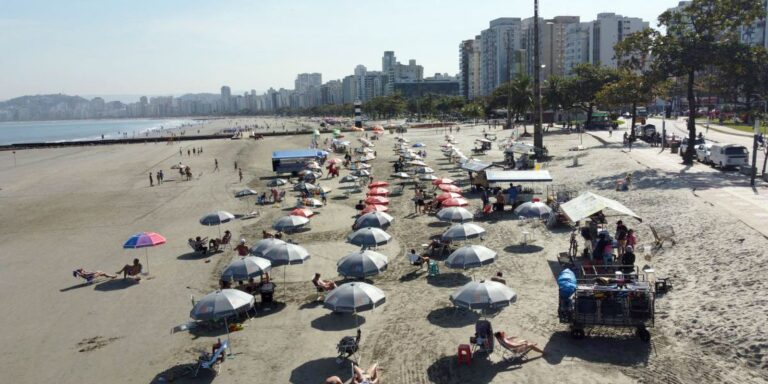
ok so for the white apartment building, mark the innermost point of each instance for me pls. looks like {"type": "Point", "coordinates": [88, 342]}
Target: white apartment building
{"type": "Point", "coordinates": [577, 45]}
{"type": "Point", "coordinates": [499, 44]}
{"type": "Point", "coordinates": [606, 31]}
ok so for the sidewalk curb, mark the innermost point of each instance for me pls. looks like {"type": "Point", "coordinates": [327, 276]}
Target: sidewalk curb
{"type": "Point", "coordinates": [727, 132]}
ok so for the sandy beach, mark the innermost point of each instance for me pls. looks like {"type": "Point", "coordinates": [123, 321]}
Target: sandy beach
{"type": "Point", "coordinates": [68, 208]}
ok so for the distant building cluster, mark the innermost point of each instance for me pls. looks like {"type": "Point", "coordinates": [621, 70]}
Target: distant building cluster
{"type": "Point", "coordinates": [505, 49]}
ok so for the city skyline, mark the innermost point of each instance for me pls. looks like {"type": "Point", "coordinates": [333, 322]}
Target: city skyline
{"type": "Point", "coordinates": [173, 48]}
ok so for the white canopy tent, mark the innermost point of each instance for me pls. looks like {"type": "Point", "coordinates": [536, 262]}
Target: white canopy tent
{"type": "Point", "coordinates": [589, 203]}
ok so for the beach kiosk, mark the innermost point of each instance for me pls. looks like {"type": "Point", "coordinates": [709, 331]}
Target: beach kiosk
{"type": "Point", "coordinates": [530, 183]}
{"type": "Point", "coordinates": [294, 160]}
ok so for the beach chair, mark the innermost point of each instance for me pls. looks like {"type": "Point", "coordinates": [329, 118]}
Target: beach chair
{"type": "Point", "coordinates": [662, 234]}
{"type": "Point", "coordinates": [482, 341]}
{"type": "Point", "coordinates": [211, 361]}
{"type": "Point", "coordinates": [512, 353]}
{"type": "Point", "coordinates": [348, 346]}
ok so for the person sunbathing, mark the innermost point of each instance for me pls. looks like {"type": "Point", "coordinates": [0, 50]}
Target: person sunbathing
{"type": "Point", "coordinates": [515, 343]}
{"type": "Point", "coordinates": [326, 285]}
{"type": "Point", "coordinates": [130, 269]}
{"type": "Point", "coordinates": [333, 380]}
{"type": "Point", "coordinates": [369, 376]}
{"type": "Point", "coordinates": [89, 276]}
{"type": "Point", "coordinates": [418, 260]}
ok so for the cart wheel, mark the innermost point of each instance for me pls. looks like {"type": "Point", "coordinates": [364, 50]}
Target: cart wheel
{"type": "Point", "coordinates": [643, 334]}
{"type": "Point", "coordinates": [577, 333]}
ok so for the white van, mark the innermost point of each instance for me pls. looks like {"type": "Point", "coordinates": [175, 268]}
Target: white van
{"type": "Point", "coordinates": [728, 155]}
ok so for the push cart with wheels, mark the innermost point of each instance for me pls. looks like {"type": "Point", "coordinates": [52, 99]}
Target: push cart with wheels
{"type": "Point", "coordinates": [618, 301]}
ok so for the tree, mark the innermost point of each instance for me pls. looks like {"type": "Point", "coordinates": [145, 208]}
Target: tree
{"type": "Point", "coordinates": [584, 85]}
{"type": "Point", "coordinates": [698, 35]}
{"type": "Point", "coordinates": [515, 96]}
{"type": "Point", "coordinates": [472, 110]}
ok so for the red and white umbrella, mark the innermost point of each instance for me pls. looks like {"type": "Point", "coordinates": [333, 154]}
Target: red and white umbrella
{"type": "Point", "coordinates": [456, 202]}
{"type": "Point", "coordinates": [377, 200]}
{"type": "Point", "coordinates": [448, 196]}
{"type": "Point", "coordinates": [449, 188]}
{"type": "Point", "coordinates": [378, 184]}
{"type": "Point", "coordinates": [442, 180]}
{"type": "Point", "coordinates": [375, 208]}
{"type": "Point", "coordinates": [378, 192]}
{"type": "Point", "coordinates": [303, 212]}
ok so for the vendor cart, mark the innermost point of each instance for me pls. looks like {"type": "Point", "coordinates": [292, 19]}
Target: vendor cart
{"type": "Point", "coordinates": [612, 299]}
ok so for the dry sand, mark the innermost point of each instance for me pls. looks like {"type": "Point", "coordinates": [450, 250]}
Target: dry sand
{"type": "Point", "coordinates": [67, 208]}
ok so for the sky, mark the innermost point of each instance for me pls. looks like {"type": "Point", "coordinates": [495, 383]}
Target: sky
{"type": "Point", "coordinates": [172, 47]}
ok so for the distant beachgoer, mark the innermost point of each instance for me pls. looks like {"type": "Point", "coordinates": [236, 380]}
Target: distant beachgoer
{"type": "Point", "coordinates": [151, 183]}
{"type": "Point", "coordinates": [241, 248]}
{"type": "Point", "coordinates": [193, 151]}
{"type": "Point", "coordinates": [130, 269]}
{"type": "Point", "coordinates": [159, 177]}
{"type": "Point", "coordinates": [326, 285]}
{"type": "Point", "coordinates": [369, 376]}
{"type": "Point", "coordinates": [189, 173]}
{"type": "Point", "coordinates": [621, 236]}
{"type": "Point", "coordinates": [189, 152]}
{"type": "Point", "coordinates": [240, 173]}
{"type": "Point", "coordinates": [162, 175]}
{"type": "Point", "coordinates": [499, 278]}
{"type": "Point", "coordinates": [180, 153]}
{"type": "Point", "coordinates": [235, 165]}
{"type": "Point", "coordinates": [216, 165]}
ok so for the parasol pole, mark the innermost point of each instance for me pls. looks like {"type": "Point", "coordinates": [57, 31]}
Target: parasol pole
{"type": "Point", "coordinates": [146, 256]}
{"type": "Point", "coordinates": [226, 325]}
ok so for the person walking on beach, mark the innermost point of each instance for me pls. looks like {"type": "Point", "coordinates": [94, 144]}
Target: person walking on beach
{"type": "Point", "coordinates": [189, 153]}
{"type": "Point", "coordinates": [193, 151]}
{"type": "Point", "coordinates": [240, 172]}
{"type": "Point", "coordinates": [216, 165]}
{"type": "Point", "coordinates": [159, 177]}
{"type": "Point", "coordinates": [151, 183]}
{"type": "Point", "coordinates": [235, 165]}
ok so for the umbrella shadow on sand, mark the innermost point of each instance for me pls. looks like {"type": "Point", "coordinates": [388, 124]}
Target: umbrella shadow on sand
{"type": "Point", "coordinates": [448, 280]}
{"type": "Point", "coordinates": [115, 284]}
{"type": "Point", "coordinates": [482, 370]}
{"type": "Point", "coordinates": [184, 373]}
{"type": "Point", "coordinates": [315, 370]}
{"type": "Point", "coordinates": [520, 248]}
{"type": "Point", "coordinates": [337, 322]}
{"type": "Point", "coordinates": [624, 350]}
{"type": "Point", "coordinates": [452, 317]}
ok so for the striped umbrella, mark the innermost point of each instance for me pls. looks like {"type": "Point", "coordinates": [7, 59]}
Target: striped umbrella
{"type": "Point", "coordinates": [375, 208]}
{"type": "Point", "coordinates": [449, 188]}
{"type": "Point", "coordinates": [377, 200]}
{"type": "Point", "coordinates": [378, 184]}
{"type": "Point", "coordinates": [378, 192]}
{"type": "Point", "coordinates": [303, 212]}
{"type": "Point", "coordinates": [447, 196]}
{"type": "Point", "coordinates": [144, 240]}
{"type": "Point", "coordinates": [455, 202]}
{"type": "Point", "coordinates": [442, 180]}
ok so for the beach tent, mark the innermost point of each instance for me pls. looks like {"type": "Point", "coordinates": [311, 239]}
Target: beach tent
{"type": "Point", "coordinates": [494, 176]}
{"type": "Point", "coordinates": [589, 203]}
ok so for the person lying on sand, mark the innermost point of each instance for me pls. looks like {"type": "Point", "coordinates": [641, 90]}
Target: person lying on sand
{"type": "Point", "coordinates": [370, 376]}
{"type": "Point", "coordinates": [131, 270]}
{"type": "Point", "coordinates": [89, 276]}
{"type": "Point", "coordinates": [333, 380]}
{"type": "Point", "coordinates": [326, 285]}
{"type": "Point", "coordinates": [514, 342]}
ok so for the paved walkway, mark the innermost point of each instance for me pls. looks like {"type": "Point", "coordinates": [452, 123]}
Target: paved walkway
{"type": "Point", "coordinates": [729, 191]}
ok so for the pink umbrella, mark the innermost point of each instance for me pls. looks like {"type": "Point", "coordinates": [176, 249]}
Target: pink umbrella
{"type": "Point", "coordinates": [449, 188]}
{"type": "Point", "coordinates": [377, 200]}
{"type": "Point", "coordinates": [144, 240]}
{"type": "Point", "coordinates": [374, 208]}
{"type": "Point", "coordinates": [448, 195]}
{"type": "Point", "coordinates": [378, 192]}
{"type": "Point", "coordinates": [378, 184]}
{"type": "Point", "coordinates": [442, 180]}
{"type": "Point", "coordinates": [456, 202]}
{"type": "Point", "coordinates": [303, 212]}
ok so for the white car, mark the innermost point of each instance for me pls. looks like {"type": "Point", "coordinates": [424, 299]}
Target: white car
{"type": "Point", "coordinates": [702, 152]}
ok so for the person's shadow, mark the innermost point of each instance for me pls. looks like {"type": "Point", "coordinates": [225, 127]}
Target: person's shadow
{"type": "Point", "coordinates": [115, 284]}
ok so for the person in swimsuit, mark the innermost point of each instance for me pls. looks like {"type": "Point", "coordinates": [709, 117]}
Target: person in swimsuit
{"type": "Point", "coordinates": [130, 270]}
{"type": "Point", "coordinates": [89, 276]}
{"type": "Point", "coordinates": [370, 376]}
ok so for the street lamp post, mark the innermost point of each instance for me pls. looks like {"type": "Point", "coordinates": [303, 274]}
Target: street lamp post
{"type": "Point", "coordinates": [538, 139]}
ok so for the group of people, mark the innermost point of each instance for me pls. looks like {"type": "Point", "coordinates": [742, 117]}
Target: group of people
{"type": "Point", "coordinates": [626, 241]}
{"type": "Point", "coordinates": [204, 245]}
{"type": "Point", "coordinates": [128, 271]}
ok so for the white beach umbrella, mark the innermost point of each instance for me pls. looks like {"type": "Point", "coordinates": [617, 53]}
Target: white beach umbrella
{"type": "Point", "coordinates": [451, 214]}
{"type": "Point", "coordinates": [289, 223]}
{"type": "Point", "coordinates": [374, 220]}
{"type": "Point", "coordinates": [246, 268]}
{"type": "Point", "coordinates": [401, 175]}
{"type": "Point", "coordinates": [217, 218]}
{"type": "Point", "coordinates": [483, 295]}
{"type": "Point", "coordinates": [533, 209]}
{"type": "Point", "coordinates": [463, 231]}
{"type": "Point", "coordinates": [263, 245]}
{"type": "Point", "coordinates": [221, 305]}
{"type": "Point", "coordinates": [362, 264]}
{"type": "Point", "coordinates": [470, 256]}
{"type": "Point", "coordinates": [425, 170]}
{"type": "Point", "coordinates": [368, 237]}
{"type": "Point", "coordinates": [286, 254]}
{"type": "Point", "coordinates": [245, 192]}
{"type": "Point", "coordinates": [354, 297]}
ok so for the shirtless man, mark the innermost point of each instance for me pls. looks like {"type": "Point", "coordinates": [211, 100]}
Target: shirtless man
{"type": "Point", "coordinates": [326, 285]}
{"type": "Point", "coordinates": [131, 270]}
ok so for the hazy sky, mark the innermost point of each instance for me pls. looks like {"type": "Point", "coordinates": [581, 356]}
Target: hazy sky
{"type": "Point", "coordinates": [172, 46]}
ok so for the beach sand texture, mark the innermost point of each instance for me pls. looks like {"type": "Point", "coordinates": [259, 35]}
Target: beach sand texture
{"type": "Point", "coordinates": [66, 208]}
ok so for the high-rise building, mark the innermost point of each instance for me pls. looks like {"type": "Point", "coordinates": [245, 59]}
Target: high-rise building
{"type": "Point", "coordinates": [465, 55]}
{"type": "Point", "coordinates": [606, 31]}
{"type": "Point", "coordinates": [553, 42]}
{"type": "Point", "coordinates": [349, 89]}
{"type": "Point", "coordinates": [408, 73]}
{"type": "Point", "coordinates": [499, 61]}
{"type": "Point", "coordinates": [388, 63]}
{"type": "Point", "coordinates": [306, 80]}
{"type": "Point", "coordinates": [576, 46]}
{"type": "Point", "coordinates": [360, 72]}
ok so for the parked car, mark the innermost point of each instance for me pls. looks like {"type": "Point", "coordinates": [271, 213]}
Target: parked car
{"type": "Point", "coordinates": [702, 152]}
{"type": "Point", "coordinates": [645, 131]}
{"type": "Point", "coordinates": [684, 144]}
{"type": "Point", "coordinates": [728, 155]}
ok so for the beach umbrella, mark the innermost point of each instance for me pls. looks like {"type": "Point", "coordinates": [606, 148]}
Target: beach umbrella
{"type": "Point", "coordinates": [302, 185]}
{"type": "Point", "coordinates": [367, 157]}
{"type": "Point", "coordinates": [178, 166]}
{"type": "Point", "coordinates": [289, 223]}
{"type": "Point", "coordinates": [367, 150]}
{"type": "Point", "coordinates": [216, 218]}
{"type": "Point", "coordinates": [448, 195]}
{"type": "Point", "coordinates": [349, 179]}
{"type": "Point", "coordinates": [378, 200]}
{"type": "Point", "coordinates": [419, 145]}
{"type": "Point", "coordinates": [417, 163]}
{"type": "Point", "coordinates": [286, 254]}
{"type": "Point", "coordinates": [442, 180]}
{"type": "Point", "coordinates": [455, 214]}
{"type": "Point", "coordinates": [221, 305]}
{"type": "Point", "coordinates": [264, 245]}
{"type": "Point", "coordinates": [246, 192]}
{"type": "Point", "coordinates": [449, 188]}
{"type": "Point", "coordinates": [403, 139]}
{"type": "Point", "coordinates": [303, 212]}
{"type": "Point", "coordinates": [456, 202]}
{"type": "Point", "coordinates": [362, 264]}
{"type": "Point", "coordinates": [378, 192]}
{"type": "Point", "coordinates": [533, 209]}
{"type": "Point", "coordinates": [314, 203]}
{"type": "Point", "coordinates": [378, 184]}
{"type": "Point", "coordinates": [483, 295]}
{"type": "Point", "coordinates": [425, 170]}
{"type": "Point", "coordinates": [463, 231]}
{"type": "Point", "coordinates": [246, 268]}
{"type": "Point", "coordinates": [312, 165]}
{"type": "Point", "coordinates": [361, 173]}
{"type": "Point", "coordinates": [401, 175]}
{"type": "Point", "coordinates": [354, 297]}
{"type": "Point", "coordinates": [364, 166]}
{"type": "Point", "coordinates": [277, 182]}
{"type": "Point", "coordinates": [470, 256]}
{"type": "Point", "coordinates": [427, 177]}
{"type": "Point", "coordinates": [373, 219]}
{"type": "Point", "coordinates": [369, 237]}
{"type": "Point", "coordinates": [144, 240]}
{"type": "Point", "coordinates": [374, 208]}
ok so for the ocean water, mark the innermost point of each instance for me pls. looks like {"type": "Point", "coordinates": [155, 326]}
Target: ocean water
{"type": "Point", "coordinates": [74, 130]}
